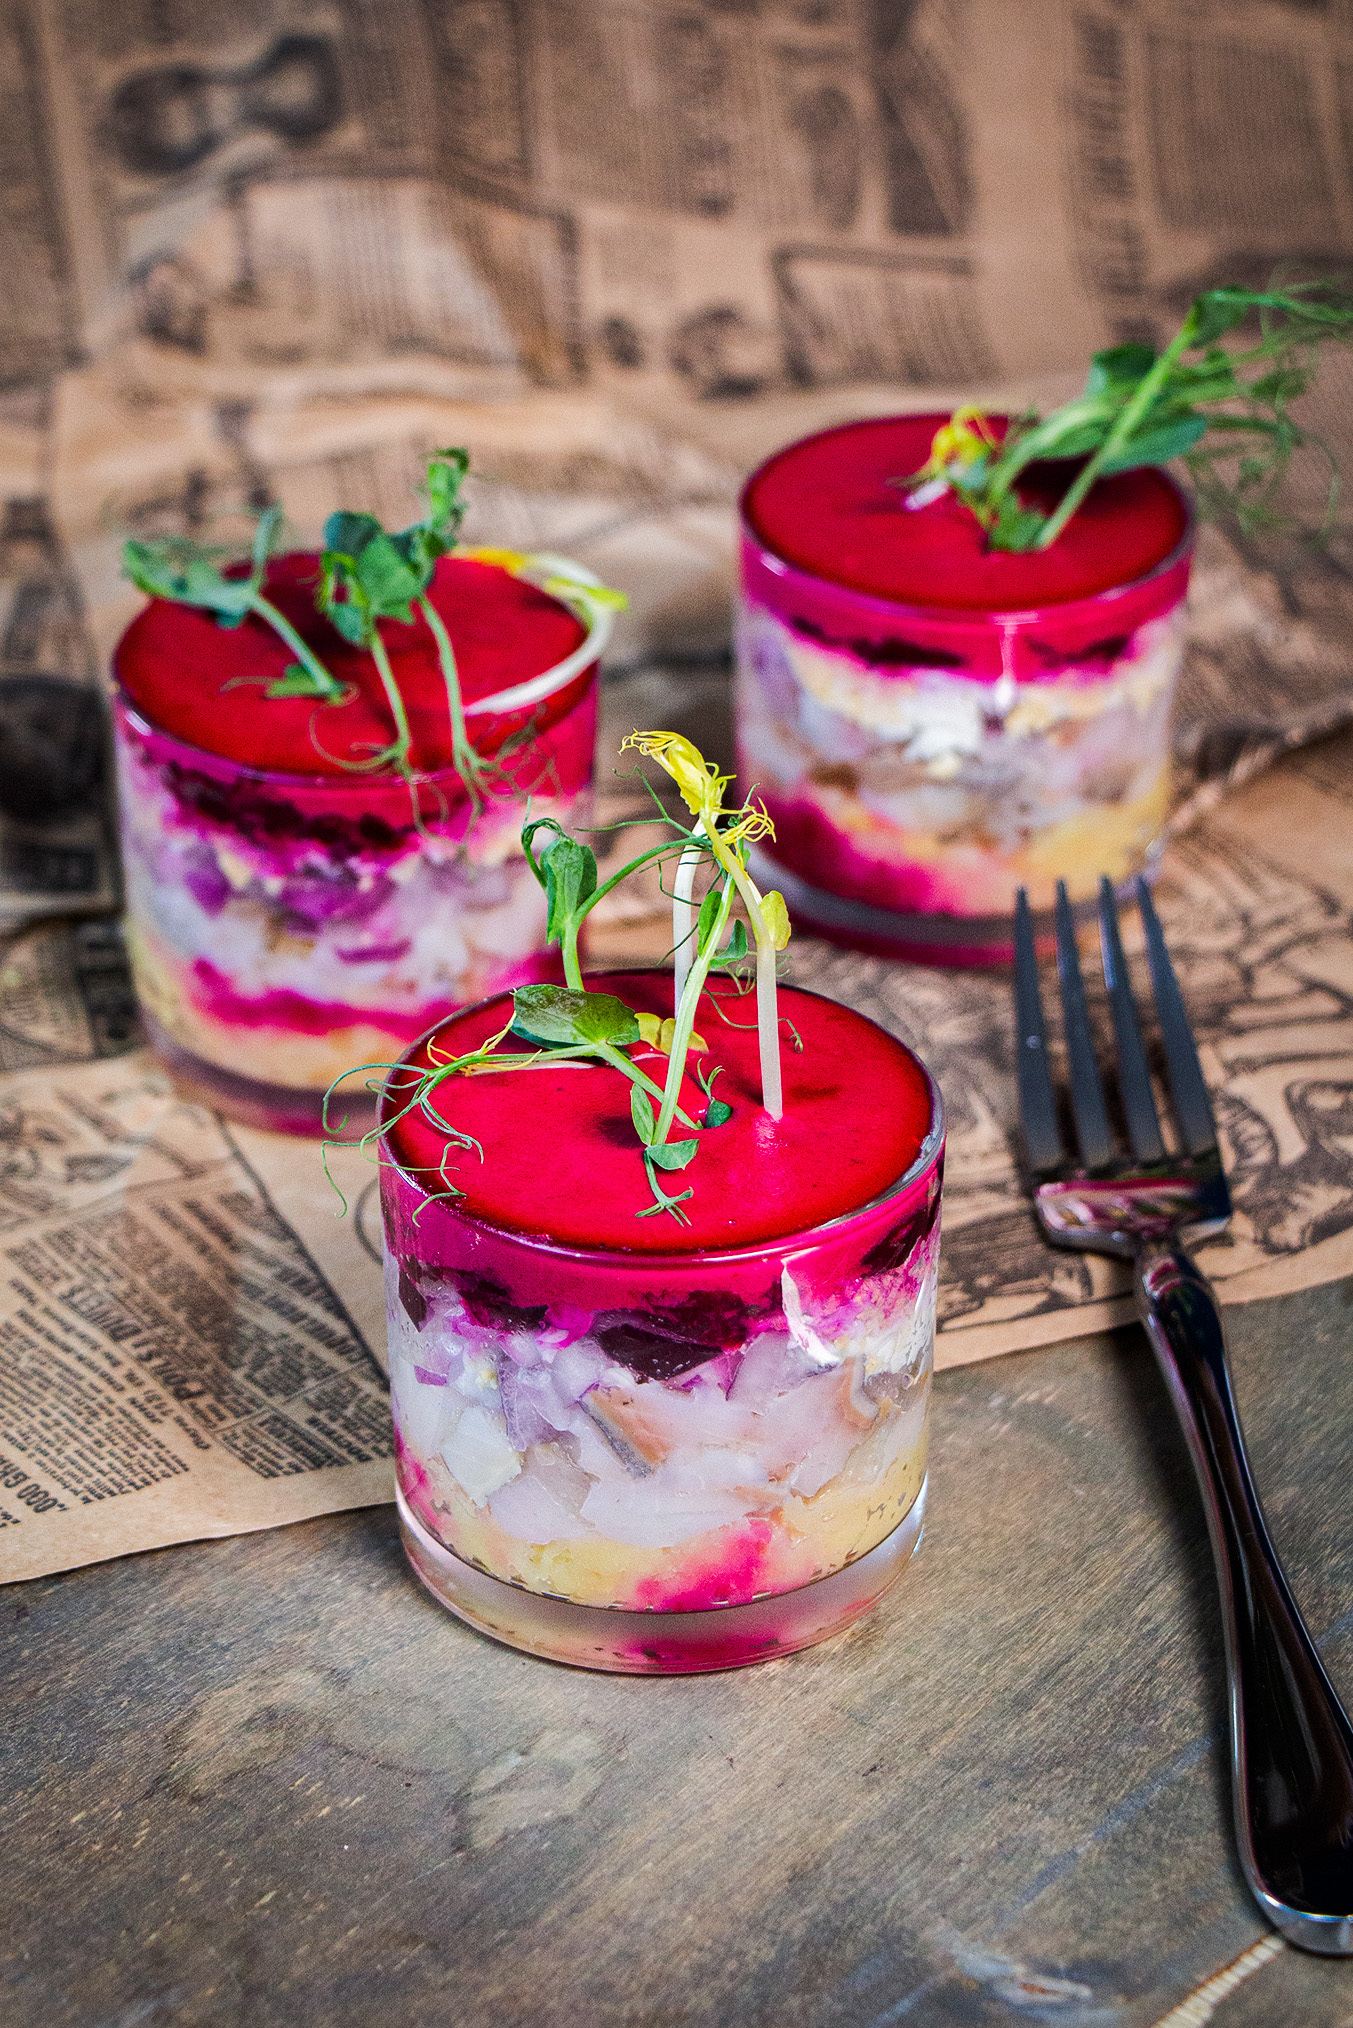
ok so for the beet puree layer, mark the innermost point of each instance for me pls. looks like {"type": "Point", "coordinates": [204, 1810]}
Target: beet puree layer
{"type": "Point", "coordinates": [831, 505]}
{"type": "Point", "coordinates": [181, 670]}
{"type": "Point", "coordinates": [561, 1159]}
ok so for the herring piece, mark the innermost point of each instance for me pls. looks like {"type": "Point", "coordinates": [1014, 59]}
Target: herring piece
{"type": "Point", "coordinates": [478, 1454]}
{"type": "Point", "coordinates": [658, 1515]}
{"type": "Point", "coordinates": [533, 1512]}
{"type": "Point", "coordinates": [425, 1416]}
{"type": "Point", "coordinates": [828, 1406]}
{"type": "Point", "coordinates": [906, 1352]}
{"type": "Point", "coordinates": [633, 1425]}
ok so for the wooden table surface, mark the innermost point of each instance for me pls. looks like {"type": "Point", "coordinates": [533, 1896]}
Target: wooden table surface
{"type": "Point", "coordinates": [267, 1781]}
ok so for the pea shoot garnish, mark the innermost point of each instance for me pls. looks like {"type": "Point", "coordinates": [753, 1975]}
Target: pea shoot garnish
{"type": "Point", "coordinates": [367, 578]}
{"type": "Point", "coordinates": [569, 1024]}
{"type": "Point", "coordinates": [1225, 409]}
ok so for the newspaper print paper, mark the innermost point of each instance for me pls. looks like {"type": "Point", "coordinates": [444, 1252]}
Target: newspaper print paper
{"type": "Point", "coordinates": [622, 249]}
{"type": "Point", "coordinates": [190, 1340]}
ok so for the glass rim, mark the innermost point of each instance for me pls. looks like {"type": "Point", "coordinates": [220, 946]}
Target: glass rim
{"type": "Point", "coordinates": [532, 690]}
{"type": "Point", "coordinates": [925, 1159]}
{"type": "Point", "coordinates": [1005, 617]}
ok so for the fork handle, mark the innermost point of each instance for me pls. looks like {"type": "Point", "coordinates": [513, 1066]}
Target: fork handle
{"type": "Point", "coordinates": [1291, 1742]}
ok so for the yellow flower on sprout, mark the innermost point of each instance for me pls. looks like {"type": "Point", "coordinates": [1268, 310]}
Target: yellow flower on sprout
{"type": "Point", "coordinates": [777, 917]}
{"type": "Point", "coordinates": [506, 559]}
{"type": "Point", "coordinates": [699, 780]}
{"type": "Point", "coordinates": [753, 821]}
{"type": "Point", "coordinates": [577, 591]}
{"type": "Point", "coordinates": [963, 440]}
{"type": "Point", "coordinates": [659, 1034]}
{"type": "Point", "coordinates": [702, 788]}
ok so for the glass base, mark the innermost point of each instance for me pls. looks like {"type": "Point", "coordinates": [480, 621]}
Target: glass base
{"type": "Point", "coordinates": [953, 940]}
{"type": "Point", "coordinates": [277, 1108]}
{"type": "Point", "coordinates": [660, 1643]}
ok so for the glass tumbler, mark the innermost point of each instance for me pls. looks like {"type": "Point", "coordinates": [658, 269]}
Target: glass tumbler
{"type": "Point", "coordinates": [995, 722]}
{"type": "Point", "coordinates": [283, 927]}
{"type": "Point", "coordinates": [661, 1462]}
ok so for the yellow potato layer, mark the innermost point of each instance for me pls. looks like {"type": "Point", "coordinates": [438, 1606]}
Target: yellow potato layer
{"type": "Point", "coordinates": [809, 1538]}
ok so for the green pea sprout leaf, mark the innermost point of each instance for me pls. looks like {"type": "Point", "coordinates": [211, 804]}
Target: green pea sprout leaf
{"type": "Point", "coordinates": [295, 682]}
{"type": "Point", "coordinates": [709, 909]}
{"type": "Point", "coordinates": [718, 1110]}
{"type": "Point", "coordinates": [446, 474]}
{"type": "Point", "coordinates": [570, 1025]}
{"type": "Point", "coordinates": [379, 575]}
{"type": "Point", "coordinates": [364, 578]}
{"type": "Point", "coordinates": [671, 1154]}
{"type": "Point", "coordinates": [641, 1112]}
{"type": "Point", "coordinates": [174, 569]}
{"type": "Point", "coordinates": [561, 1015]}
{"type": "Point", "coordinates": [1226, 410]}
{"type": "Point", "coordinates": [570, 871]}
{"type": "Point", "coordinates": [735, 952]}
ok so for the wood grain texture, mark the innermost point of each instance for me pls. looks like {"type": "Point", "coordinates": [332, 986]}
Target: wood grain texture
{"type": "Point", "coordinates": [264, 1781]}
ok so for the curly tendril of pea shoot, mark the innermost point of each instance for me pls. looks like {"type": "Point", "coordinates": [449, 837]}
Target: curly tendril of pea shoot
{"type": "Point", "coordinates": [569, 1025]}
{"type": "Point", "coordinates": [1226, 409]}
{"type": "Point", "coordinates": [367, 578]}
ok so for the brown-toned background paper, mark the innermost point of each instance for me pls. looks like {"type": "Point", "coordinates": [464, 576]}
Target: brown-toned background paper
{"type": "Point", "coordinates": [189, 1338]}
{"type": "Point", "coordinates": [622, 249]}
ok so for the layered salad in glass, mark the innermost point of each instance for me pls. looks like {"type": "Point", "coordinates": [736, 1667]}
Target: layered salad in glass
{"type": "Point", "coordinates": [627, 1413]}
{"type": "Point", "coordinates": [660, 1398]}
{"type": "Point", "coordinates": [960, 635]}
{"type": "Point", "coordinates": [312, 876]}
{"type": "Point", "coordinates": [935, 724]}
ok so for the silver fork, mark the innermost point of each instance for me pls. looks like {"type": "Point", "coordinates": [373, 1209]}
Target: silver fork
{"type": "Point", "coordinates": [1291, 1741]}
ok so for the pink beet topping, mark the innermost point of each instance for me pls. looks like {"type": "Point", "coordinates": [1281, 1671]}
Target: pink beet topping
{"type": "Point", "coordinates": [561, 1159]}
{"type": "Point", "coordinates": [179, 667]}
{"type": "Point", "coordinates": [829, 505]}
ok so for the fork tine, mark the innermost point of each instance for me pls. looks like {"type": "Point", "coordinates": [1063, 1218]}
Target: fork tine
{"type": "Point", "coordinates": [1037, 1106]}
{"type": "Point", "coordinates": [1087, 1093]}
{"type": "Point", "coordinates": [1134, 1078]}
{"type": "Point", "coordinates": [1192, 1106]}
